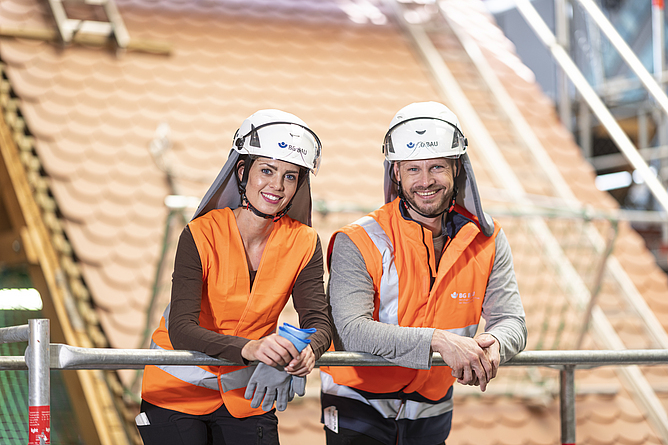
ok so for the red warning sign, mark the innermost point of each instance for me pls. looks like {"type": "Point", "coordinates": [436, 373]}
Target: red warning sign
{"type": "Point", "coordinates": [39, 425]}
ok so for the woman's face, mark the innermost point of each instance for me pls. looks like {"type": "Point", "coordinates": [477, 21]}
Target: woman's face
{"type": "Point", "coordinates": [271, 184]}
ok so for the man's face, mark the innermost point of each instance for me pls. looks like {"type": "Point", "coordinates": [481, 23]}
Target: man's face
{"type": "Point", "coordinates": [427, 184]}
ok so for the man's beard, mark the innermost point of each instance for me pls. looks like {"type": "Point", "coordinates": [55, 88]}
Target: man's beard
{"type": "Point", "coordinates": [432, 210]}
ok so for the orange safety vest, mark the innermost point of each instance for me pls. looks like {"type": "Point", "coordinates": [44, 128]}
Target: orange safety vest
{"type": "Point", "coordinates": [230, 307]}
{"type": "Point", "coordinates": [399, 255]}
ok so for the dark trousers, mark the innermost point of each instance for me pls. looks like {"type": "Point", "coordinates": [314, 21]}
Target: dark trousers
{"type": "Point", "coordinates": [169, 427]}
{"type": "Point", "coordinates": [349, 437]}
{"type": "Point", "coordinates": [361, 424]}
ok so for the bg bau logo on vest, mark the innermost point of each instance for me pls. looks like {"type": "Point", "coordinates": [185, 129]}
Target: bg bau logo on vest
{"type": "Point", "coordinates": [464, 297]}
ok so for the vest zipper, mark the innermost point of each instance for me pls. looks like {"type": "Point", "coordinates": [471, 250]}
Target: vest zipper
{"type": "Point", "coordinates": [432, 279]}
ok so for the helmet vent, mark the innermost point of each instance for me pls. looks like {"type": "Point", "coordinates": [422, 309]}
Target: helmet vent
{"type": "Point", "coordinates": [254, 138]}
{"type": "Point", "coordinates": [455, 140]}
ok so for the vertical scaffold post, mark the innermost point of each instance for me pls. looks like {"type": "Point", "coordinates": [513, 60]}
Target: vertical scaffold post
{"type": "Point", "coordinates": [39, 383]}
{"type": "Point", "coordinates": [567, 402]}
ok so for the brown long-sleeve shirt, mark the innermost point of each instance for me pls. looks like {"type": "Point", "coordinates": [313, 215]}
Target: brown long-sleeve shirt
{"type": "Point", "coordinates": [308, 297]}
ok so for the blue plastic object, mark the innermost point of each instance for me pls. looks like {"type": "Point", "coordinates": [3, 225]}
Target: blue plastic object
{"type": "Point", "coordinates": [297, 332]}
{"type": "Point", "coordinates": [299, 337]}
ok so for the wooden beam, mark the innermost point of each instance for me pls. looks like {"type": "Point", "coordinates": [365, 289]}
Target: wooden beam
{"type": "Point", "coordinates": [11, 249]}
{"type": "Point", "coordinates": [50, 35]}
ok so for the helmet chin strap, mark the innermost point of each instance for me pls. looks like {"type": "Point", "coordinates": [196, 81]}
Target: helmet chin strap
{"type": "Point", "coordinates": [245, 203]}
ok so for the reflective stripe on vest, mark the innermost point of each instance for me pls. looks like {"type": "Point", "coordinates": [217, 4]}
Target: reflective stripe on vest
{"type": "Point", "coordinates": [191, 374]}
{"type": "Point", "coordinates": [389, 408]}
{"type": "Point", "coordinates": [165, 315]}
{"type": "Point", "coordinates": [389, 281]}
{"type": "Point", "coordinates": [467, 331]}
{"type": "Point", "coordinates": [236, 379]}
{"type": "Point", "coordinates": [201, 377]}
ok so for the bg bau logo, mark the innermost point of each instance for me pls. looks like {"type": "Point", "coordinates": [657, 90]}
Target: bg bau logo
{"type": "Point", "coordinates": [463, 297]}
{"type": "Point", "coordinates": [422, 144]}
{"type": "Point", "coordinates": [301, 151]}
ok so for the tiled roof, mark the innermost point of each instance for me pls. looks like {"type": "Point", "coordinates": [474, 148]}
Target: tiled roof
{"type": "Point", "coordinates": [92, 115]}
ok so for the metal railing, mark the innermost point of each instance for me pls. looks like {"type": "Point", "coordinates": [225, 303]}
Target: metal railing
{"type": "Point", "coordinates": [37, 361]}
{"type": "Point", "coordinates": [41, 356]}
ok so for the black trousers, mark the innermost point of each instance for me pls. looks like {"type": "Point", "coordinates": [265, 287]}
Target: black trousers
{"type": "Point", "coordinates": [349, 437]}
{"type": "Point", "coordinates": [168, 427]}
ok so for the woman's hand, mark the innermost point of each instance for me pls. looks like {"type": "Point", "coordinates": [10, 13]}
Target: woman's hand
{"type": "Point", "coordinates": [303, 364]}
{"type": "Point", "coordinates": [272, 350]}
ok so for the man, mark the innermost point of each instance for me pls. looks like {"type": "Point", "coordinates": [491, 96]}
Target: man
{"type": "Point", "coordinates": [412, 278]}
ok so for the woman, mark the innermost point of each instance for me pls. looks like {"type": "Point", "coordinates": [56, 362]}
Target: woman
{"type": "Point", "coordinates": [248, 248]}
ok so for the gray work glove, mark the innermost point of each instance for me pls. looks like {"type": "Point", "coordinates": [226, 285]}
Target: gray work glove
{"type": "Point", "coordinates": [266, 385]}
{"type": "Point", "coordinates": [297, 386]}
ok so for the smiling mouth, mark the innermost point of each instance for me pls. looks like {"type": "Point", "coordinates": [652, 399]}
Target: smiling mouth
{"type": "Point", "coordinates": [426, 194]}
{"type": "Point", "coordinates": [271, 198]}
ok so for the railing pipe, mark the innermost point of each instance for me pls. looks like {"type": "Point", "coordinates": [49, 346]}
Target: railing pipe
{"type": "Point", "coordinates": [71, 357]}
{"type": "Point", "coordinates": [567, 404]}
{"type": "Point", "coordinates": [39, 383]}
{"type": "Point", "coordinates": [13, 363]}
{"type": "Point", "coordinates": [584, 359]}
{"type": "Point", "coordinates": [15, 334]}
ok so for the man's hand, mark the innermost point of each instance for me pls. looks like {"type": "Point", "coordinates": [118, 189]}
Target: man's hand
{"type": "Point", "coordinates": [467, 359]}
{"type": "Point", "coordinates": [491, 346]}
{"type": "Point", "coordinates": [272, 350]}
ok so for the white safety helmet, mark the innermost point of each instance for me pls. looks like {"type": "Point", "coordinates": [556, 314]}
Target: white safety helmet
{"type": "Point", "coordinates": [279, 135]}
{"type": "Point", "coordinates": [273, 134]}
{"type": "Point", "coordinates": [424, 130]}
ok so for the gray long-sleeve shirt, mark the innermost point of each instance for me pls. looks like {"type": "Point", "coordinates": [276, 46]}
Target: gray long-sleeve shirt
{"type": "Point", "coordinates": [351, 297]}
